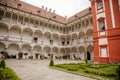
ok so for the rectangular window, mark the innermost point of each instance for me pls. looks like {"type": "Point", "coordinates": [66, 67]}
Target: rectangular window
{"type": "Point", "coordinates": [102, 25]}
{"type": "Point", "coordinates": [104, 52]}
{"type": "Point", "coordinates": [63, 43]}
{"type": "Point", "coordinates": [99, 5]}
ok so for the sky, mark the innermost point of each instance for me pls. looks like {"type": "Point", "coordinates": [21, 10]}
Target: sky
{"type": "Point", "coordinates": [62, 7]}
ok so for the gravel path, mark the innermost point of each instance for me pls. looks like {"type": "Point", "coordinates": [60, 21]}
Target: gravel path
{"type": "Point", "coordinates": [38, 70]}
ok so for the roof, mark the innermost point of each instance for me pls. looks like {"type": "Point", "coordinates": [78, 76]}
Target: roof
{"type": "Point", "coordinates": [44, 12]}
{"type": "Point", "coordinates": [79, 14]}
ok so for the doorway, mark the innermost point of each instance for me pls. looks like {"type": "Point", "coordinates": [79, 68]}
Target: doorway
{"type": "Point", "coordinates": [88, 56]}
{"type": "Point", "coordinates": [36, 56]}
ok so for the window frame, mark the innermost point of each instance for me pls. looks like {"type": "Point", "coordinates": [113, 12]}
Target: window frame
{"type": "Point", "coordinates": [105, 54]}
{"type": "Point", "coordinates": [98, 4]}
{"type": "Point", "coordinates": [101, 28]}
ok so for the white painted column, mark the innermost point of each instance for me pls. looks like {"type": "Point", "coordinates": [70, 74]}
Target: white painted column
{"type": "Point", "coordinates": [17, 17]}
{"type": "Point", "coordinates": [112, 13]}
{"type": "Point", "coordinates": [11, 17]}
{"type": "Point", "coordinates": [4, 14]}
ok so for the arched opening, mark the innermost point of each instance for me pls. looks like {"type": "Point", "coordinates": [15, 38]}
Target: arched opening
{"type": "Point", "coordinates": [89, 35]}
{"type": "Point", "coordinates": [26, 49]}
{"type": "Point", "coordinates": [74, 52]}
{"type": "Point", "coordinates": [13, 50]}
{"type": "Point", "coordinates": [47, 53]}
{"type": "Point", "coordinates": [82, 53]}
{"type": "Point", "coordinates": [69, 39]}
{"type": "Point", "coordinates": [62, 40]}
{"type": "Point", "coordinates": [55, 39]}
{"type": "Point", "coordinates": [38, 35]}
{"type": "Point", "coordinates": [27, 35]}
{"type": "Point", "coordinates": [66, 52]}
{"type": "Point", "coordinates": [62, 53]}
{"type": "Point", "coordinates": [15, 33]}
{"type": "Point", "coordinates": [3, 30]}
{"type": "Point", "coordinates": [81, 38]}
{"type": "Point", "coordinates": [88, 56]}
{"type": "Point", "coordinates": [2, 48]}
{"type": "Point", "coordinates": [47, 38]}
{"type": "Point", "coordinates": [55, 52]}
{"type": "Point", "coordinates": [74, 39]}
{"type": "Point", "coordinates": [37, 52]}
{"type": "Point", "coordinates": [87, 22]}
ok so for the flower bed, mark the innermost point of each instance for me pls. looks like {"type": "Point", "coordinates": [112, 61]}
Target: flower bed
{"type": "Point", "coordinates": [107, 71]}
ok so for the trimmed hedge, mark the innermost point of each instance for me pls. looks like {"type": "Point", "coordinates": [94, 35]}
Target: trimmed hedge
{"type": "Point", "coordinates": [103, 70]}
{"type": "Point", "coordinates": [72, 69]}
{"type": "Point", "coordinates": [96, 72]}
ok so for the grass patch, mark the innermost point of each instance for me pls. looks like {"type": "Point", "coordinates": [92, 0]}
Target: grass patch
{"type": "Point", "coordinates": [101, 71]}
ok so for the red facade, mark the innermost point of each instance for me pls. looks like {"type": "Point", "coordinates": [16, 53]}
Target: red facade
{"type": "Point", "coordinates": [106, 22]}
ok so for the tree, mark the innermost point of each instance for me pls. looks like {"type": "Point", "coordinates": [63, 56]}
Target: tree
{"type": "Point", "coordinates": [51, 61]}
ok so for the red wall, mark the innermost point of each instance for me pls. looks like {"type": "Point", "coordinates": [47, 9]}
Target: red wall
{"type": "Point", "coordinates": [114, 43]}
{"type": "Point", "coordinates": [113, 34]}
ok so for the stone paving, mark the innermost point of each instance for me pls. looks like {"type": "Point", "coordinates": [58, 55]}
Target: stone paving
{"type": "Point", "coordinates": [38, 70]}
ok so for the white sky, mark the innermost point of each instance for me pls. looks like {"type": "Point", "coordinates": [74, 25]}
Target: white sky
{"type": "Point", "coordinates": [62, 7]}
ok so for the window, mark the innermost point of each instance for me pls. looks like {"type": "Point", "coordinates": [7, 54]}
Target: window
{"type": "Point", "coordinates": [62, 43]}
{"type": "Point", "coordinates": [19, 5]}
{"type": "Point", "coordinates": [35, 39]}
{"type": "Point", "coordinates": [99, 5]}
{"type": "Point", "coordinates": [104, 52]}
{"type": "Point", "coordinates": [102, 25]}
{"type": "Point", "coordinates": [51, 42]}
{"type": "Point", "coordinates": [1, 14]}
{"type": "Point", "coordinates": [67, 42]}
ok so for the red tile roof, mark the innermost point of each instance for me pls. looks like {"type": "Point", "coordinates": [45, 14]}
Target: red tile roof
{"type": "Point", "coordinates": [43, 12]}
{"type": "Point", "coordinates": [79, 14]}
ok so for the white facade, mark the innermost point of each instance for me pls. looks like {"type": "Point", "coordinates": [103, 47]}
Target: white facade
{"type": "Point", "coordinates": [40, 38]}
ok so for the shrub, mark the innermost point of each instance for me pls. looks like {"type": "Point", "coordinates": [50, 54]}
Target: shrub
{"type": "Point", "coordinates": [7, 74]}
{"type": "Point", "coordinates": [51, 62]}
{"type": "Point", "coordinates": [72, 69]}
{"type": "Point", "coordinates": [95, 72]}
{"type": "Point", "coordinates": [2, 63]}
{"type": "Point", "coordinates": [5, 54]}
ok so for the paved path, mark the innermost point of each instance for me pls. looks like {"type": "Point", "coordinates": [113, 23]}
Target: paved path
{"type": "Point", "coordinates": [38, 70]}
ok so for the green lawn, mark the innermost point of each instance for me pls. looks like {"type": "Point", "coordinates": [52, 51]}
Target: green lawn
{"type": "Point", "coordinates": [100, 71]}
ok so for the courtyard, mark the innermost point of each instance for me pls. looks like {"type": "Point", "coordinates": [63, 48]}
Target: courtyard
{"type": "Point", "coordinates": [39, 70]}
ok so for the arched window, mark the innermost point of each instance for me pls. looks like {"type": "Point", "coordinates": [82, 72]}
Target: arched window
{"type": "Point", "coordinates": [101, 22]}
{"type": "Point", "coordinates": [102, 25]}
{"type": "Point", "coordinates": [19, 5]}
